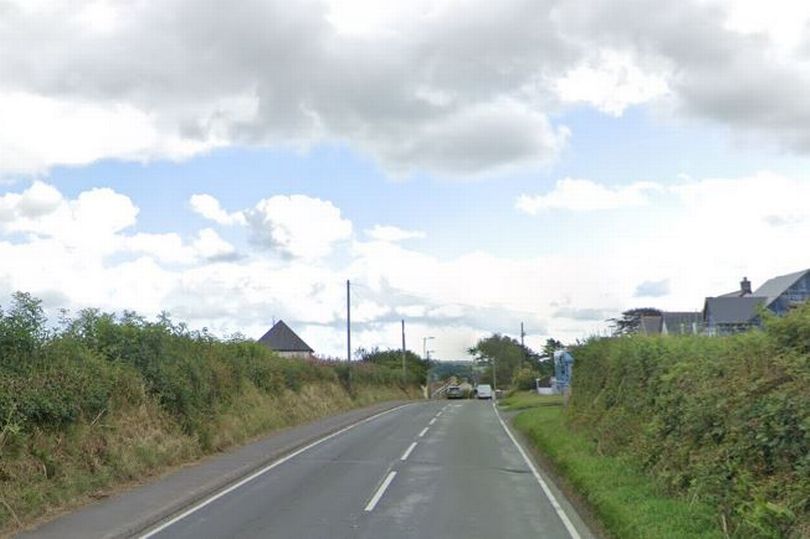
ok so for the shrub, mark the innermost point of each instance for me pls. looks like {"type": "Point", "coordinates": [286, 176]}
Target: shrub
{"type": "Point", "coordinates": [725, 420]}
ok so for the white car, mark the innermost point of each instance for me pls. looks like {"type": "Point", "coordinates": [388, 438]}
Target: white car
{"type": "Point", "coordinates": [483, 391]}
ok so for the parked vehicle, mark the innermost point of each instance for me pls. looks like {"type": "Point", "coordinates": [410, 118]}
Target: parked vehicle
{"type": "Point", "coordinates": [454, 392]}
{"type": "Point", "coordinates": [483, 391]}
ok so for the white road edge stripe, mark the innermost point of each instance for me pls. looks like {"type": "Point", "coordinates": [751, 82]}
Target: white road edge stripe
{"type": "Point", "coordinates": [424, 431]}
{"type": "Point", "coordinates": [407, 452]}
{"type": "Point", "coordinates": [264, 470]}
{"type": "Point", "coordinates": [372, 503]}
{"type": "Point", "coordinates": [572, 531]}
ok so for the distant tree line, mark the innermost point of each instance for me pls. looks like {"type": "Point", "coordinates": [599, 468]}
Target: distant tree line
{"type": "Point", "coordinates": [514, 365]}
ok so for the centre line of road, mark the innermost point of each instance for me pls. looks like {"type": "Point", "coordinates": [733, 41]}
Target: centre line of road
{"type": "Point", "coordinates": [407, 452]}
{"type": "Point", "coordinates": [264, 470]}
{"type": "Point", "coordinates": [572, 531]}
{"type": "Point", "coordinates": [424, 431]}
{"type": "Point", "coordinates": [372, 503]}
{"type": "Point", "coordinates": [432, 421]}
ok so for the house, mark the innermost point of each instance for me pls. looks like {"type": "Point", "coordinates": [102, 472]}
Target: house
{"type": "Point", "coordinates": [681, 323]}
{"type": "Point", "coordinates": [724, 315]}
{"type": "Point", "coordinates": [786, 291]}
{"type": "Point", "coordinates": [650, 324]}
{"type": "Point", "coordinates": [282, 340]}
{"type": "Point", "coordinates": [671, 323]}
{"type": "Point", "coordinates": [737, 311]}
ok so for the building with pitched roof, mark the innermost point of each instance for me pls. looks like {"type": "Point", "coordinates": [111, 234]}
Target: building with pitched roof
{"type": "Point", "coordinates": [738, 311]}
{"type": "Point", "coordinates": [786, 291]}
{"type": "Point", "coordinates": [724, 315]}
{"type": "Point", "coordinates": [650, 324]}
{"type": "Point", "coordinates": [681, 323]}
{"type": "Point", "coordinates": [284, 341]}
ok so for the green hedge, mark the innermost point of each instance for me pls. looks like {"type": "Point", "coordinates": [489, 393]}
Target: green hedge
{"type": "Point", "coordinates": [723, 420]}
{"type": "Point", "coordinates": [51, 378]}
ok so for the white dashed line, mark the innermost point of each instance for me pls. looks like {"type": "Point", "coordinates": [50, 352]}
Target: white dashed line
{"type": "Point", "coordinates": [251, 477]}
{"type": "Point", "coordinates": [372, 503]}
{"type": "Point", "coordinates": [408, 451]}
{"type": "Point", "coordinates": [432, 421]}
{"type": "Point", "coordinates": [424, 431]}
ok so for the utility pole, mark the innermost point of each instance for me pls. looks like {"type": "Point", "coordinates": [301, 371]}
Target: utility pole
{"type": "Point", "coordinates": [349, 330]}
{"type": "Point", "coordinates": [522, 334]}
{"type": "Point", "coordinates": [522, 346]}
{"type": "Point", "coordinates": [493, 374]}
{"type": "Point", "coordinates": [426, 357]}
{"type": "Point", "coordinates": [403, 353]}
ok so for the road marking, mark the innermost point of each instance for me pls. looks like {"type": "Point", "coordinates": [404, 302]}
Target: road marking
{"type": "Point", "coordinates": [424, 431]}
{"type": "Point", "coordinates": [572, 531]}
{"type": "Point", "coordinates": [372, 503]}
{"type": "Point", "coordinates": [263, 471]}
{"type": "Point", "coordinates": [440, 413]}
{"type": "Point", "coordinates": [432, 421]}
{"type": "Point", "coordinates": [407, 452]}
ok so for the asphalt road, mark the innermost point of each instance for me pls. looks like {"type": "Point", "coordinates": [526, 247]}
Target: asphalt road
{"type": "Point", "coordinates": [433, 469]}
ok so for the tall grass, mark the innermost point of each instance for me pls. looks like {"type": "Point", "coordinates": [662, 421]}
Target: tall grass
{"type": "Point", "coordinates": [105, 399]}
{"type": "Point", "coordinates": [721, 420]}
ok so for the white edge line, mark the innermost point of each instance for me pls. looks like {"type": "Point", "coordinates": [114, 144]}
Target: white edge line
{"type": "Point", "coordinates": [407, 452]}
{"type": "Point", "coordinates": [432, 421]}
{"type": "Point", "coordinates": [424, 431]}
{"type": "Point", "coordinates": [572, 531]}
{"type": "Point", "coordinates": [372, 503]}
{"type": "Point", "coordinates": [264, 470]}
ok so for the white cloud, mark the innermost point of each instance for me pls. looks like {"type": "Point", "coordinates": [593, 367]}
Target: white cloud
{"type": "Point", "coordinates": [209, 207]}
{"type": "Point", "coordinates": [392, 233]}
{"type": "Point", "coordinates": [40, 131]}
{"type": "Point", "coordinates": [39, 199]}
{"type": "Point", "coordinates": [459, 88]}
{"type": "Point", "coordinates": [586, 195]}
{"type": "Point", "coordinates": [708, 234]}
{"type": "Point", "coordinates": [610, 82]}
{"type": "Point", "coordinates": [652, 289]}
{"type": "Point", "coordinates": [298, 225]}
{"type": "Point", "coordinates": [211, 246]}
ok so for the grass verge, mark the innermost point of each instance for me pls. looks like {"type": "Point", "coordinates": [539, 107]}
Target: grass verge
{"type": "Point", "coordinates": [628, 503]}
{"type": "Point", "coordinates": [56, 471]}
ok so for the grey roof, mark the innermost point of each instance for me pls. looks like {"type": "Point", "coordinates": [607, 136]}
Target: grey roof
{"type": "Point", "coordinates": [681, 322]}
{"type": "Point", "coordinates": [651, 324]}
{"type": "Point", "coordinates": [282, 339]}
{"type": "Point", "coordinates": [736, 294]}
{"type": "Point", "coordinates": [725, 310]}
{"type": "Point", "coordinates": [773, 288]}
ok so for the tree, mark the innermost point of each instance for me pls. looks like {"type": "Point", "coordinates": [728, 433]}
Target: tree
{"type": "Point", "coordinates": [505, 353]}
{"type": "Point", "coordinates": [415, 366]}
{"type": "Point", "coordinates": [22, 328]}
{"type": "Point", "coordinates": [630, 321]}
{"type": "Point", "coordinates": [551, 346]}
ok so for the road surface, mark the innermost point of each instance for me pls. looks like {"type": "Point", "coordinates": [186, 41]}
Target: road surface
{"type": "Point", "coordinates": [443, 469]}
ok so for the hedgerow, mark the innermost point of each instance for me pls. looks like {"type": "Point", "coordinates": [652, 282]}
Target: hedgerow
{"type": "Point", "coordinates": [722, 420]}
{"type": "Point", "coordinates": [50, 378]}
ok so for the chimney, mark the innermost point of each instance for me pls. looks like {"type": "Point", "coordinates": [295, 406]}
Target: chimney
{"type": "Point", "coordinates": [745, 286]}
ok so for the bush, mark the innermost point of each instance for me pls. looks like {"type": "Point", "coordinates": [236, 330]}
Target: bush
{"type": "Point", "coordinates": [724, 420]}
{"type": "Point", "coordinates": [51, 379]}
{"type": "Point", "coordinates": [524, 378]}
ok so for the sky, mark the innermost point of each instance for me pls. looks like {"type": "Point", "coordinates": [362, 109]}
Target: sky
{"type": "Point", "coordinates": [468, 165]}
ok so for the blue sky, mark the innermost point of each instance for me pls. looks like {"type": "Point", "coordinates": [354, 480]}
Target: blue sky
{"type": "Point", "coordinates": [469, 166]}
